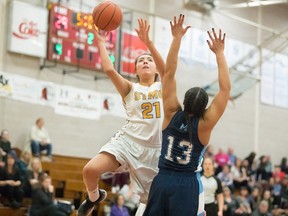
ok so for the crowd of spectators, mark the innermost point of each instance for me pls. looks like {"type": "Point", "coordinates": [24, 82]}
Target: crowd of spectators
{"type": "Point", "coordinates": [251, 186]}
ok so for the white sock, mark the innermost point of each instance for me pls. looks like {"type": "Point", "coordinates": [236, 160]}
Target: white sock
{"type": "Point", "coordinates": [93, 195]}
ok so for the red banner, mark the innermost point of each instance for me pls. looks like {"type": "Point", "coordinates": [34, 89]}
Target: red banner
{"type": "Point", "coordinates": [132, 47]}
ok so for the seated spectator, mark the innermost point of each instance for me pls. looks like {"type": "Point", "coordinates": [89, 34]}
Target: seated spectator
{"type": "Point", "coordinates": [230, 203]}
{"type": "Point", "coordinates": [33, 176]}
{"type": "Point", "coordinates": [221, 159]}
{"type": "Point", "coordinates": [5, 145]}
{"type": "Point", "coordinates": [23, 163]}
{"type": "Point", "coordinates": [131, 199]}
{"type": "Point", "coordinates": [232, 156]}
{"type": "Point", "coordinates": [254, 198]}
{"type": "Point", "coordinates": [276, 191]}
{"type": "Point", "coordinates": [262, 210]}
{"type": "Point", "coordinates": [10, 183]}
{"type": "Point", "coordinates": [268, 197]}
{"type": "Point", "coordinates": [118, 209]}
{"type": "Point", "coordinates": [240, 177]}
{"type": "Point", "coordinates": [250, 159]}
{"type": "Point", "coordinates": [43, 201]}
{"type": "Point", "coordinates": [278, 173]}
{"type": "Point", "coordinates": [243, 206]}
{"type": "Point", "coordinates": [264, 168]}
{"type": "Point", "coordinates": [40, 140]}
{"type": "Point", "coordinates": [226, 177]}
{"type": "Point", "coordinates": [209, 151]}
{"type": "Point", "coordinates": [284, 165]}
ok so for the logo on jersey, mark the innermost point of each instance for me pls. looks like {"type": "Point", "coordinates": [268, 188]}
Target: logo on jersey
{"type": "Point", "coordinates": [183, 127]}
{"type": "Point", "coordinates": [156, 94]}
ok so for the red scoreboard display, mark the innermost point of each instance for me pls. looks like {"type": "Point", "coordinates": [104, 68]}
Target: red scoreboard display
{"type": "Point", "coordinates": [72, 38]}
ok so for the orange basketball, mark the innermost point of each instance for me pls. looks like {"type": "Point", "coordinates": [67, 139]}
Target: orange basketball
{"type": "Point", "coordinates": [107, 16]}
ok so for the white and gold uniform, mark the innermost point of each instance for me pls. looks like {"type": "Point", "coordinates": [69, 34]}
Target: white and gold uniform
{"type": "Point", "coordinates": [137, 145]}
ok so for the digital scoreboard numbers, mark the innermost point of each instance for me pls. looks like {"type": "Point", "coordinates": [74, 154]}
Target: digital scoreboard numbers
{"type": "Point", "coordinates": [72, 38]}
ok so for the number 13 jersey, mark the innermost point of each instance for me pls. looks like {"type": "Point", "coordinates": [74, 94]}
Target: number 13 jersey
{"type": "Point", "coordinates": [180, 150]}
{"type": "Point", "coordinates": [144, 111]}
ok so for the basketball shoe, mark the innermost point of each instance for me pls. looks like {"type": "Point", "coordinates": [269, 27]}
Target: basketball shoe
{"type": "Point", "coordinates": [87, 206]}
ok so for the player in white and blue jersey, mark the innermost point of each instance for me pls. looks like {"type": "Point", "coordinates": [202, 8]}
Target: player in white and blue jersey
{"type": "Point", "coordinates": [177, 188]}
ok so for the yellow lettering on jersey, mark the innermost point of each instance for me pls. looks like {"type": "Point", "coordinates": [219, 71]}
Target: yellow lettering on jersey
{"type": "Point", "coordinates": [156, 94]}
{"type": "Point", "coordinates": [139, 96]}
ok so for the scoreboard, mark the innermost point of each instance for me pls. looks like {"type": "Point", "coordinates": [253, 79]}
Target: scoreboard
{"type": "Point", "coordinates": [72, 38]}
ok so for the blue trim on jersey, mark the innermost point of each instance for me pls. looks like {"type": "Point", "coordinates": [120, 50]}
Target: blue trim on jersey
{"type": "Point", "coordinates": [200, 183]}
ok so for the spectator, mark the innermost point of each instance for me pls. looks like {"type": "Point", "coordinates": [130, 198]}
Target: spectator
{"type": "Point", "coordinates": [40, 140]}
{"type": "Point", "coordinates": [229, 202]}
{"type": "Point", "coordinates": [261, 172]}
{"type": "Point", "coordinates": [33, 176]}
{"type": "Point", "coordinates": [278, 173]}
{"type": "Point", "coordinates": [232, 156]}
{"type": "Point", "coordinates": [250, 158]}
{"type": "Point", "coordinates": [276, 191]}
{"type": "Point", "coordinates": [5, 145]}
{"type": "Point", "coordinates": [10, 183]}
{"type": "Point", "coordinates": [268, 167]}
{"type": "Point", "coordinates": [254, 198]}
{"type": "Point", "coordinates": [268, 197]}
{"type": "Point", "coordinates": [42, 199]}
{"type": "Point", "coordinates": [23, 164]}
{"type": "Point", "coordinates": [213, 194]}
{"type": "Point", "coordinates": [226, 177]}
{"type": "Point", "coordinates": [131, 199]}
{"type": "Point", "coordinates": [284, 165]}
{"type": "Point", "coordinates": [243, 206]}
{"type": "Point", "coordinates": [118, 209]}
{"type": "Point", "coordinates": [209, 151]}
{"type": "Point", "coordinates": [240, 177]}
{"type": "Point", "coordinates": [262, 210]}
{"type": "Point", "coordinates": [221, 158]}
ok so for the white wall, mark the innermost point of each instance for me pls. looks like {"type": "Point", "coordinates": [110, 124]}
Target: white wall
{"type": "Point", "coordinates": [238, 127]}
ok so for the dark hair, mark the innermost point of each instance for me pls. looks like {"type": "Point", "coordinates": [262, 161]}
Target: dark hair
{"type": "Point", "coordinates": [195, 101]}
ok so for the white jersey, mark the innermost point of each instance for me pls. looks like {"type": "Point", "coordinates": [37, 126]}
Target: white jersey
{"type": "Point", "coordinates": [144, 111]}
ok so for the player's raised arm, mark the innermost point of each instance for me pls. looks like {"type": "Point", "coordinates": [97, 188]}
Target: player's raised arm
{"type": "Point", "coordinates": [122, 85]}
{"type": "Point", "coordinates": [143, 34]}
{"type": "Point", "coordinates": [219, 103]}
{"type": "Point", "coordinates": [170, 100]}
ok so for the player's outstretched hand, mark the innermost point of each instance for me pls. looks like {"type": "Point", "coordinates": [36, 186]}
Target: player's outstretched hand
{"type": "Point", "coordinates": [177, 28]}
{"type": "Point", "coordinates": [217, 42]}
{"type": "Point", "coordinates": [143, 30]}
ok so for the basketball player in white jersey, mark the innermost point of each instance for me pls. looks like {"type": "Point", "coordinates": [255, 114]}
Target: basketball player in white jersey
{"type": "Point", "coordinates": [136, 146]}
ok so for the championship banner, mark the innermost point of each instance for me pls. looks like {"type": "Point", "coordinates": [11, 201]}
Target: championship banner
{"type": "Point", "coordinates": [132, 47]}
{"type": "Point", "coordinates": [27, 30]}
{"type": "Point", "coordinates": [76, 102]}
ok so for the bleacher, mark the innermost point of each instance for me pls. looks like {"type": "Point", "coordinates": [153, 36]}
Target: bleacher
{"type": "Point", "coordinates": [66, 174]}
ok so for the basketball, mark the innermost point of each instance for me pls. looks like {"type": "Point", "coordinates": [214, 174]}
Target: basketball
{"type": "Point", "coordinates": [107, 16]}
